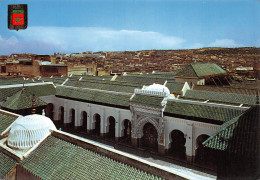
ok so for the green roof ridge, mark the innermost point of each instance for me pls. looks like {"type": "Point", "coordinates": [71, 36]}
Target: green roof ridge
{"type": "Point", "coordinates": [7, 163]}
{"type": "Point", "coordinates": [194, 69]}
{"type": "Point", "coordinates": [239, 135]}
{"type": "Point", "coordinates": [44, 165]}
{"type": "Point", "coordinates": [221, 129]}
{"type": "Point", "coordinates": [6, 120]}
{"type": "Point", "coordinates": [22, 100]}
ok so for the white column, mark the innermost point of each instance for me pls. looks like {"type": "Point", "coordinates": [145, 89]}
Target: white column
{"type": "Point", "coordinates": [90, 118]}
{"type": "Point", "coordinates": [56, 112]}
{"type": "Point", "coordinates": [102, 122]}
{"type": "Point", "coordinates": [77, 115]}
{"type": "Point", "coordinates": [66, 112]}
{"type": "Point", "coordinates": [118, 132]}
{"type": "Point", "coordinates": [189, 141]}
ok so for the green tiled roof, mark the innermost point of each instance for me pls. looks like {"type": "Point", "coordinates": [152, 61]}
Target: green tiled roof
{"type": "Point", "coordinates": [122, 86]}
{"type": "Point", "coordinates": [213, 101]}
{"type": "Point", "coordinates": [144, 80]}
{"type": "Point", "coordinates": [219, 140]}
{"type": "Point", "coordinates": [227, 89]}
{"type": "Point", "coordinates": [22, 100]}
{"type": "Point", "coordinates": [90, 77]}
{"type": "Point", "coordinates": [55, 80]}
{"type": "Point", "coordinates": [175, 87]}
{"type": "Point", "coordinates": [6, 164]}
{"type": "Point", "coordinates": [56, 158]}
{"type": "Point", "coordinates": [38, 90]}
{"type": "Point", "coordinates": [10, 81]}
{"type": "Point", "coordinates": [5, 121]}
{"type": "Point", "coordinates": [246, 136]}
{"type": "Point", "coordinates": [164, 73]}
{"type": "Point", "coordinates": [148, 100]}
{"type": "Point", "coordinates": [222, 96]}
{"type": "Point", "coordinates": [200, 69]}
{"type": "Point", "coordinates": [94, 96]}
{"type": "Point", "coordinates": [240, 135]}
{"type": "Point", "coordinates": [201, 111]}
{"type": "Point", "coordinates": [104, 85]}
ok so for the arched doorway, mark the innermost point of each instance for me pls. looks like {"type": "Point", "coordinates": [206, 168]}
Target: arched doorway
{"type": "Point", "coordinates": [177, 146]}
{"type": "Point", "coordinates": [84, 117]}
{"type": "Point", "coordinates": [72, 118]}
{"type": "Point", "coordinates": [150, 136]}
{"type": "Point", "coordinates": [61, 114]}
{"type": "Point", "coordinates": [49, 110]}
{"type": "Point", "coordinates": [112, 128]}
{"type": "Point", "coordinates": [204, 156]}
{"type": "Point", "coordinates": [97, 124]}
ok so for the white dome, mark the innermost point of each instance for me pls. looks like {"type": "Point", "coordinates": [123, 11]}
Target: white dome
{"type": "Point", "coordinates": [158, 88]}
{"type": "Point", "coordinates": [29, 130]}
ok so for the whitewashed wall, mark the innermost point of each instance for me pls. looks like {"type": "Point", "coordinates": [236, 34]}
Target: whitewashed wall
{"type": "Point", "coordinates": [91, 109]}
{"type": "Point", "coordinates": [191, 130]}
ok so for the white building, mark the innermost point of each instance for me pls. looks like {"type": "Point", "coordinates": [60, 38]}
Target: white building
{"type": "Point", "coordinates": [150, 118]}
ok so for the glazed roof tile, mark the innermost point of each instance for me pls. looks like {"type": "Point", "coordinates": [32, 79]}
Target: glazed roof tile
{"type": "Point", "coordinates": [38, 90]}
{"type": "Point", "coordinates": [103, 97]}
{"type": "Point", "coordinates": [55, 80]}
{"type": "Point", "coordinates": [219, 140]}
{"type": "Point", "coordinates": [222, 97]}
{"type": "Point", "coordinates": [200, 69]}
{"type": "Point", "coordinates": [144, 80]}
{"type": "Point", "coordinates": [221, 114]}
{"type": "Point", "coordinates": [6, 120]}
{"type": "Point", "coordinates": [148, 100]}
{"type": "Point", "coordinates": [175, 87]}
{"type": "Point", "coordinates": [104, 85]}
{"type": "Point", "coordinates": [121, 86]}
{"type": "Point", "coordinates": [59, 158]}
{"type": "Point", "coordinates": [226, 89]}
{"type": "Point", "coordinates": [22, 100]}
{"type": "Point", "coordinates": [239, 135]}
{"type": "Point", "coordinates": [9, 81]}
{"type": "Point", "coordinates": [6, 164]}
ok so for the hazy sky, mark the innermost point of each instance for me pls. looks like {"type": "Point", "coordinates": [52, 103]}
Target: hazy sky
{"type": "Point", "coordinates": [69, 26]}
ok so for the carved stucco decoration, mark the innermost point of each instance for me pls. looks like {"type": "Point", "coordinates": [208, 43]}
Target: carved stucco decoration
{"type": "Point", "coordinates": [138, 125]}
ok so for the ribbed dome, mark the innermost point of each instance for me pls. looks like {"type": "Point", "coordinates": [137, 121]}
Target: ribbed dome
{"type": "Point", "coordinates": [158, 88]}
{"type": "Point", "coordinates": [29, 130]}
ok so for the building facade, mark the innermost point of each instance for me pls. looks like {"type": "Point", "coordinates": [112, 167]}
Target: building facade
{"type": "Point", "coordinates": [157, 122]}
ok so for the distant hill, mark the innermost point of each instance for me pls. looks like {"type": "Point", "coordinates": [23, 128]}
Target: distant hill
{"type": "Point", "coordinates": [243, 50]}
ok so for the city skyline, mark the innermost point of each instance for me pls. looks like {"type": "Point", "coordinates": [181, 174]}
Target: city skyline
{"type": "Point", "coordinates": [66, 27]}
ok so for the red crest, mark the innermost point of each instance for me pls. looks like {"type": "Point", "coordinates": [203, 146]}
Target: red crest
{"type": "Point", "coordinates": [18, 19]}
